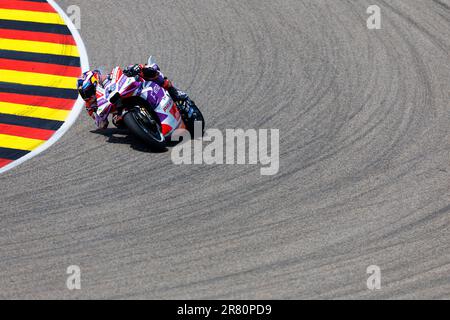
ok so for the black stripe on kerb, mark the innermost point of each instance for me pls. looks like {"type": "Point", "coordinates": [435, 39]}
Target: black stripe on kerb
{"type": "Point", "coordinates": [12, 154]}
{"type": "Point", "coordinates": [40, 57]}
{"type": "Point", "coordinates": [39, 91]}
{"type": "Point", "coordinates": [35, 26]}
{"type": "Point", "coordinates": [30, 122]}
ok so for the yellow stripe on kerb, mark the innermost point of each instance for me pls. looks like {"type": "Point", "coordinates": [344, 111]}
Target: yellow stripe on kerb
{"type": "Point", "coordinates": [19, 143]}
{"type": "Point", "coordinates": [39, 47]}
{"type": "Point", "coordinates": [38, 79]}
{"type": "Point", "coordinates": [31, 16]}
{"type": "Point", "coordinates": [33, 112]}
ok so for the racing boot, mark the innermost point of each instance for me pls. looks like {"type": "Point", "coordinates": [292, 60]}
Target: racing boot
{"type": "Point", "coordinates": [177, 95]}
{"type": "Point", "coordinates": [182, 101]}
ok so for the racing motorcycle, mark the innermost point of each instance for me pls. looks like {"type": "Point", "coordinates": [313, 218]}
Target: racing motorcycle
{"type": "Point", "coordinates": [147, 109]}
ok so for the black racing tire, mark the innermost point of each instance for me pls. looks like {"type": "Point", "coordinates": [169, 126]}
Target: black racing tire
{"type": "Point", "coordinates": [147, 130]}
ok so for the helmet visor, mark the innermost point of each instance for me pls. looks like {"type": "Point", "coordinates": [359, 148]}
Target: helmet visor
{"type": "Point", "coordinates": [88, 92]}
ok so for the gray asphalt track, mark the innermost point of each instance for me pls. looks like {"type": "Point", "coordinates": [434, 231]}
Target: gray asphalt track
{"type": "Point", "coordinates": [364, 175]}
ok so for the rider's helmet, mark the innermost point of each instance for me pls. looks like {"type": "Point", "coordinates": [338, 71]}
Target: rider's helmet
{"type": "Point", "coordinates": [87, 84]}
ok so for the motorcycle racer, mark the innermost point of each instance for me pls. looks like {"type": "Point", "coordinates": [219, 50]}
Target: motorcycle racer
{"type": "Point", "coordinates": [87, 87]}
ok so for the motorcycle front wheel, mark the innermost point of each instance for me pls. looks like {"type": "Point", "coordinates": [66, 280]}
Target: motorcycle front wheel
{"type": "Point", "coordinates": [141, 123]}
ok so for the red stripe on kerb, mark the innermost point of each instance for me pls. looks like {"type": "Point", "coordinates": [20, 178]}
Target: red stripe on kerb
{"type": "Point", "coordinates": [37, 101]}
{"type": "Point", "coordinates": [25, 132]}
{"type": "Point", "coordinates": [4, 162]}
{"type": "Point", "coordinates": [26, 5]}
{"type": "Point", "coordinates": [37, 36]}
{"type": "Point", "coordinates": [36, 67]}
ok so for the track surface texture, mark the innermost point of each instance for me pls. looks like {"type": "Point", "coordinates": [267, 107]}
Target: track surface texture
{"type": "Point", "coordinates": [364, 160]}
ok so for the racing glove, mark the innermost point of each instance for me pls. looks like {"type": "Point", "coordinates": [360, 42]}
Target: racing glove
{"type": "Point", "coordinates": [146, 72]}
{"type": "Point", "coordinates": [133, 71]}
{"type": "Point", "coordinates": [150, 72]}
